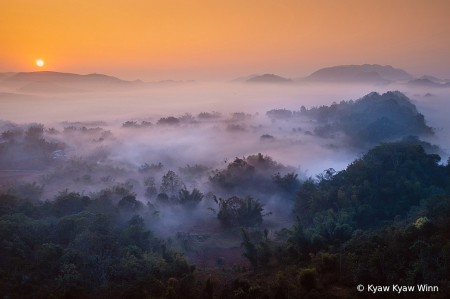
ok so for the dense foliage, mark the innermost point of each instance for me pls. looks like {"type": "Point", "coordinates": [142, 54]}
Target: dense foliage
{"type": "Point", "coordinates": [236, 211]}
{"type": "Point", "coordinates": [65, 249]}
{"type": "Point", "coordinates": [372, 119]}
{"type": "Point", "coordinates": [383, 183]}
{"type": "Point", "coordinates": [22, 149]}
{"type": "Point", "coordinates": [254, 174]}
{"type": "Point", "coordinates": [383, 220]}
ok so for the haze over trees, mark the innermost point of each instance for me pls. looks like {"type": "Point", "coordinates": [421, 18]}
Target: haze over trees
{"type": "Point", "coordinates": [154, 207]}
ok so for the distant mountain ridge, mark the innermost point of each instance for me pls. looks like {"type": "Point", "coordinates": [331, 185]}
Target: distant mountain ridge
{"type": "Point", "coordinates": [434, 79]}
{"type": "Point", "coordinates": [269, 78]}
{"type": "Point", "coordinates": [353, 73]}
{"type": "Point", "coordinates": [71, 82]}
{"type": "Point", "coordinates": [58, 77]}
{"type": "Point", "coordinates": [242, 79]}
{"type": "Point", "coordinates": [426, 83]}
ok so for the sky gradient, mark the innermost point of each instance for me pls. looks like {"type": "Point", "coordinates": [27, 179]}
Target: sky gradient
{"type": "Point", "coordinates": [219, 40]}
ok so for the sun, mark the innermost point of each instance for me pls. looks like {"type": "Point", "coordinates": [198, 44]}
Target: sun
{"type": "Point", "coordinates": [40, 63]}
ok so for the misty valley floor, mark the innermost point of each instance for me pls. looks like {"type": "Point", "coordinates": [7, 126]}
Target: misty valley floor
{"type": "Point", "coordinates": [304, 202]}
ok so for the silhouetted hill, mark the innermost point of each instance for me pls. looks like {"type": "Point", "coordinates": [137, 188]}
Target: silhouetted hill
{"type": "Point", "coordinates": [138, 82]}
{"type": "Point", "coordinates": [243, 79]}
{"type": "Point", "coordinates": [269, 78]}
{"type": "Point", "coordinates": [434, 79]}
{"type": "Point", "coordinates": [429, 95]}
{"type": "Point", "coordinates": [371, 119]}
{"type": "Point", "coordinates": [72, 82]}
{"type": "Point", "coordinates": [63, 77]}
{"type": "Point", "coordinates": [77, 82]}
{"type": "Point", "coordinates": [352, 73]}
{"type": "Point", "coordinates": [425, 83]}
{"type": "Point", "coordinates": [48, 87]}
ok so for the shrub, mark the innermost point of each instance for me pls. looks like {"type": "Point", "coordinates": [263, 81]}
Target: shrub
{"type": "Point", "coordinates": [171, 121]}
{"type": "Point", "coordinates": [308, 278]}
{"type": "Point", "coordinates": [190, 199]}
{"type": "Point", "coordinates": [236, 211]}
{"type": "Point", "coordinates": [279, 113]}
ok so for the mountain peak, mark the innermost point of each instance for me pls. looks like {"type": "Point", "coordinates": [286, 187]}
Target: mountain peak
{"type": "Point", "coordinates": [268, 78]}
{"type": "Point", "coordinates": [350, 73]}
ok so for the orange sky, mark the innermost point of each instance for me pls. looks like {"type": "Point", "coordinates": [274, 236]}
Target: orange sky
{"type": "Point", "coordinates": [211, 39]}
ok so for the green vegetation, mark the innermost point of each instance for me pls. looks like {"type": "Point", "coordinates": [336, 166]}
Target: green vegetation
{"type": "Point", "coordinates": [139, 232]}
{"type": "Point", "coordinates": [190, 199]}
{"type": "Point", "coordinates": [279, 113]}
{"type": "Point", "coordinates": [236, 211]}
{"type": "Point", "coordinates": [169, 121]}
{"type": "Point", "coordinates": [372, 119]}
{"type": "Point", "coordinates": [383, 220]}
{"type": "Point", "coordinates": [255, 174]}
{"type": "Point", "coordinates": [60, 249]}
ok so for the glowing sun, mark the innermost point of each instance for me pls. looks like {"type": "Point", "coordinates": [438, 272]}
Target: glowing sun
{"type": "Point", "coordinates": [40, 63]}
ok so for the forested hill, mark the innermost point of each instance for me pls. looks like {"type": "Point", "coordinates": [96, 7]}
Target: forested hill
{"type": "Point", "coordinates": [369, 120]}
{"type": "Point", "coordinates": [386, 216]}
{"type": "Point", "coordinates": [249, 227]}
{"type": "Point", "coordinates": [383, 220]}
{"type": "Point", "coordinates": [387, 181]}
